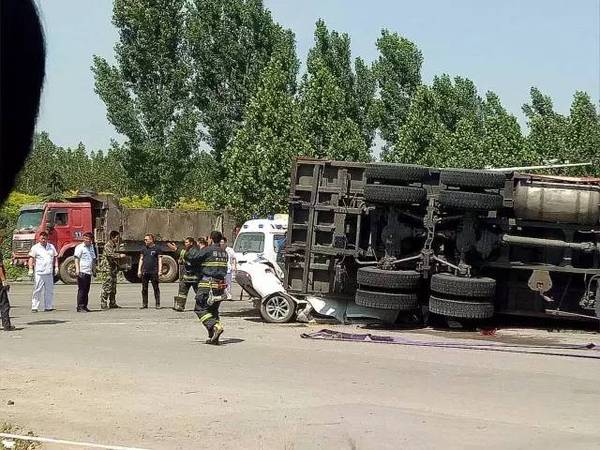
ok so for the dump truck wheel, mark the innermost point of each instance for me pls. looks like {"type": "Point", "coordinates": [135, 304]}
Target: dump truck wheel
{"type": "Point", "coordinates": [473, 178]}
{"type": "Point", "coordinates": [387, 300]}
{"type": "Point", "coordinates": [461, 309]}
{"type": "Point", "coordinates": [131, 276]}
{"type": "Point", "coordinates": [170, 269]}
{"type": "Point", "coordinates": [394, 195]}
{"type": "Point", "coordinates": [396, 172]}
{"type": "Point", "coordinates": [470, 200]}
{"type": "Point", "coordinates": [66, 271]}
{"type": "Point", "coordinates": [278, 308]}
{"type": "Point", "coordinates": [445, 283]}
{"type": "Point", "coordinates": [392, 279]}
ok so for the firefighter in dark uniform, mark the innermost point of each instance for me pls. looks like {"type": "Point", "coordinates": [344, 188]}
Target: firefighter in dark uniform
{"type": "Point", "coordinates": [188, 278]}
{"type": "Point", "coordinates": [210, 263]}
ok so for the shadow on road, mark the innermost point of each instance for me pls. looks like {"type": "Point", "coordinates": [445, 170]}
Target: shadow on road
{"type": "Point", "coordinates": [225, 341]}
{"type": "Point", "coordinates": [47, 322]}
{"type": "Point", "coordinates": [253, 319]}
{"type": "Point", "coordinates": [228, 341]}
{"type": "Point", "coordinates": [246, 313]}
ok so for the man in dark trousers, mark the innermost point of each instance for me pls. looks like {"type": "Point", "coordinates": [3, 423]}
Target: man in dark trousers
{"type": "Point", "coordinates": [4, 302]}
{"type": "Point", "coordinates": [187, 277]}
{"type": "Point", "coordinates": [149, 268]}
{"type": "Point", "coordinates": [210, 263]}
{"type": "Point", "coordinates": [85, 268]}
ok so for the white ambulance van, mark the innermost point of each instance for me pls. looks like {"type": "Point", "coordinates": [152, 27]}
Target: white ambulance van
{"type": "Point", "coordinates": [264, 237]}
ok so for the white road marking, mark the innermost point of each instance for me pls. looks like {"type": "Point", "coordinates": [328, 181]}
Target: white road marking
{"type": "Point", "coordinates": [61, 441]}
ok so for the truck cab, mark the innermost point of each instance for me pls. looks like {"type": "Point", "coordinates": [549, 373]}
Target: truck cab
{"type": "Point", "coordinates": [65, 224]}
{"type": "Point", "coordinates": [24, 235]}
{"type": "Point", "coordinates": [266, 237]}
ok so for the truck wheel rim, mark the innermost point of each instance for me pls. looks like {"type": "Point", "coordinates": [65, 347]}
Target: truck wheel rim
{"type": "Point", "coordinates": [71, 270]}
{"type": "Point", "coordinates": [277, 307]}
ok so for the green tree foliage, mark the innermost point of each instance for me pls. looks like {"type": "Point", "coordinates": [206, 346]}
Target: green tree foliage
{"type": "Point", "coordinates": [355, 86]}
{"type": "Point", "coordinates": [230, 43]}
{"type": "Point", "coordinates": [146, 94]}
{"type": "Point", "coordinates": [426, 135]}
{"type": "Point", "coordinates": [258, 164]}
{"type": "Point", "coordinates": [138, 201]}
{"type": "Point", "coordinates": [34, 176]}
{"type": "Point", "coordinates": [331, 133]}
{"type": "Point", "coordinates": [449, 125]}
{"type": "Point", "coordinates": [502, 143]}
{"type": "Point", "coordinates": [583, 134]}
{"type": "Point", "coordinates": [55, 188]}
{"type": "Point", "coordinates": [456, 100]}
{"type": "Point", "coordinates": [398, 74]}
{"type": "Point", "coordinates": [547, 129]}
{"type": "Point", "coordinates": [98, 171]}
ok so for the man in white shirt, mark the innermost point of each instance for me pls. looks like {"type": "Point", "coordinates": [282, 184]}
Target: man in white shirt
{"type": "Point", "coordinates": [85, 267]}
{"type": "Point", "coordinates": [43, 257]}
{"type": "Point", "coordinates": [231, 267]}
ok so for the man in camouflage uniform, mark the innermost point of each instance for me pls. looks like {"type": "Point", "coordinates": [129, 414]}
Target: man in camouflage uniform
{"type": "Point", "coordinates": [109, 268]}
{"type": "Point", "coordinates": [210, 264]}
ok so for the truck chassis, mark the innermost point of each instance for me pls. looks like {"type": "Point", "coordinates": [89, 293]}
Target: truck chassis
{"type": "Point", "coordinates": [452, 243]}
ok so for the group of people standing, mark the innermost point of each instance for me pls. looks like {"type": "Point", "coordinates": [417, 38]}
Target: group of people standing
{"type": "Point", "coordinates": [189, 278]}
{"type": "Point", "coordinates": [206, 266]}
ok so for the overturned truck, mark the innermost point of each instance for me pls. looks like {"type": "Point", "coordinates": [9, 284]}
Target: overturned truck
{"type": "Point", "coordinates": [384, 239]}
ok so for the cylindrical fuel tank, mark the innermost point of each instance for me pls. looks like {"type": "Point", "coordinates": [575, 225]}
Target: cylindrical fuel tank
{"type": "Point", "coordinates": [557, 204]}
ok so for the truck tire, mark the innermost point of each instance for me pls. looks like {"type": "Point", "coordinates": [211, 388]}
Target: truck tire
{"type": "Point", "coordinates": [278, 308]}
{"type": "Point", "coordinates": [394, 195]}
{"type": "Point", "coordinates": [396, 172]}
{"type": "Point", "coordinates": [66, 271]}
{"type": "Point", "coordinates": [470, 200]}
{"type": "Point", "coordinates": [460, 309]}
{"type": "Point", "coordinates": [472, 178]}
{"type": "Point", "coordinates": [170, 269]}
{"type": "Point", "coordinates": [131, 276]}
{"type": "Point", "coordinates": [387, 300]}
{"type": "Point", "coordinates": [446, 283]}
{"type": "Point", "coordinates": [392, 279]}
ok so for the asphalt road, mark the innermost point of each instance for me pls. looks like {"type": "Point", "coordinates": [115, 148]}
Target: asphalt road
{"type": "Point", "coordinates": [145, 378]}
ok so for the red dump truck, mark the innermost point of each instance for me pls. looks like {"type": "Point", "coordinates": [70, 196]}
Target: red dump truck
{"type": "Point", "coordinates": [66, 222]}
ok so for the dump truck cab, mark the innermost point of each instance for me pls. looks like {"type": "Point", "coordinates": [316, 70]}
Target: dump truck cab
{"type": "Point", "coordinates": [65, 223]}
{"type": "Point", "coordinates": [26, 229]}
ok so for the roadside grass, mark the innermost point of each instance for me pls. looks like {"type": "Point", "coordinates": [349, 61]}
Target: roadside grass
{"type": "Point", "coordinates": [18, 443]}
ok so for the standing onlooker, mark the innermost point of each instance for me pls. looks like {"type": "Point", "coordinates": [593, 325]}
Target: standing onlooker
{"type": "Point", "coordinates": [44, 257]}
{"type": "Point", "coordinates": [85, 267]}
{"type": "Point", "coordinates": [4, 302]}
{"type": "Point", "coordinates": [109, 267]}
{"type": "Point", "coordinates": [149, 268]}
{"type": "Point", "coordinates": [231, 267]}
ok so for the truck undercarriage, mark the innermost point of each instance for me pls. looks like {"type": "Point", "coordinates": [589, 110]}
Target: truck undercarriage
{"type": "Point", "coordinates": [452, 243]}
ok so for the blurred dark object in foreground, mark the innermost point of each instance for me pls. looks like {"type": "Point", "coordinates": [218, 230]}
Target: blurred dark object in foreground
{"type": "Point", "coordinates": [22, 75]}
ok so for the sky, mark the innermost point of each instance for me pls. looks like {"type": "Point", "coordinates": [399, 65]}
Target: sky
{"type": "Point", "coordinates": [505, 46]}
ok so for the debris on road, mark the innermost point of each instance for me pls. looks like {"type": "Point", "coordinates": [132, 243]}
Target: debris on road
{"type": "Point", "coordinates": [331, 335]}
